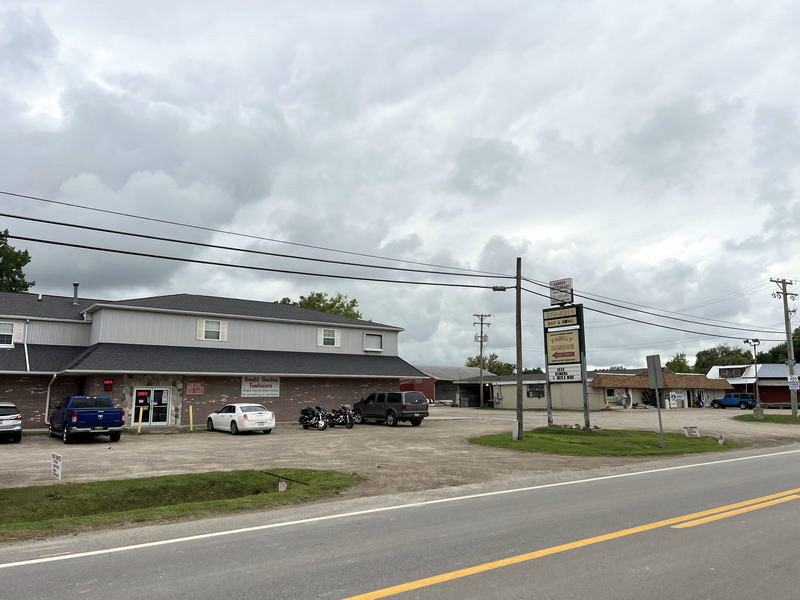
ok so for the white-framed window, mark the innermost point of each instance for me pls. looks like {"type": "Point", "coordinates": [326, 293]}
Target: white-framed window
{"type": "Point", "coordinates": [373, 342]}
{"type": "Point", "coordinates": [328, 336]}
{"type": "Point", "coordinates": [6, 334]}
{"type": "Point", "coordinates": [212, 330]}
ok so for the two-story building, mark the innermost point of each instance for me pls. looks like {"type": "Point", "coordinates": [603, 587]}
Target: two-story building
{"type": "Point", "coordinates": [160, 355]}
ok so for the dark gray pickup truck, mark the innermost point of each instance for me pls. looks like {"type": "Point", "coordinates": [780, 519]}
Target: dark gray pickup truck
{"type": "Point", "coordinates": [86, 415]}
{"type": "Point", "coordinates": [392, 407]}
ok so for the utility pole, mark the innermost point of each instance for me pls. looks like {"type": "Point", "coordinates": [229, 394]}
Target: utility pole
{"type": "Point", "coordinates": [481, 321]}
{"type": "Point", "coordinates": [782, 283]}
{"type": "Point", "coordinates": [518, 423]}
{"type": "Point", "coordinates": [758, 411]}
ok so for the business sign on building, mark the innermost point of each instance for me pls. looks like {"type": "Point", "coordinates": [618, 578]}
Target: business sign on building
{"type": "Point", "coordinates": [195, 388]}
{"type": "Point", "coordinates": [564, 374]}
{"type": "Point", "coordinates": [258, 386]}
{"type": "Point", "coordinates": [561, 291]}
{"type": "Point", "coordinates": [563, 347]}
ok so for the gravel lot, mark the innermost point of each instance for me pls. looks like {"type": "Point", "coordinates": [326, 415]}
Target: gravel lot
{"type": "Point", "coordinates": [398, 459]}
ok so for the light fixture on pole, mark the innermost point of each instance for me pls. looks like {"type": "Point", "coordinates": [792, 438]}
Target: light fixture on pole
{"type": "Point", "coordinates": [758, 411]}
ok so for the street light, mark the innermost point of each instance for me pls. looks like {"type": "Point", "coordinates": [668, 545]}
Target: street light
{"type": "Point", "coordinates": [758, 411]}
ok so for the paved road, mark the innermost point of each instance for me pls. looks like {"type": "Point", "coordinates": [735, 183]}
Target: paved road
{"type": "Point", "coordinates": [624, 548]}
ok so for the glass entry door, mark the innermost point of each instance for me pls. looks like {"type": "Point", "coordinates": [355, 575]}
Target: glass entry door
{"type": "Point", "coordinates": [153, 403]}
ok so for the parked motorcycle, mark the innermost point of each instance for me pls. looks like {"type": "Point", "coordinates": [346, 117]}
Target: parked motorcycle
{"type": "Point", "coordinates": [342, 416]}
{"type": "Point", "coordinates": [314, 416]}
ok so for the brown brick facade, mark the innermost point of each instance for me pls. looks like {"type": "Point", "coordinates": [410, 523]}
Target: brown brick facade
{"type": "Point", "coordinates": [295, 393]}
{"type": "Point", "coordinates": [29, 393]}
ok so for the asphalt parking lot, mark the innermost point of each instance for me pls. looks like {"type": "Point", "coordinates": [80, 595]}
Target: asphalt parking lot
{"type": "Point", "coordinates": [393, 459]}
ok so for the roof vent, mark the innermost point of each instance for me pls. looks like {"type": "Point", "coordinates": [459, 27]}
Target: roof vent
{"type": "Point", "coordinates": [75, 285]}
{"type": "Point", "coordinates": [39, 299]}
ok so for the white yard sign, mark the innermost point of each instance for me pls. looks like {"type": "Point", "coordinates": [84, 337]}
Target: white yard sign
{"type": "Point", "coordinates": [258, 386]}
{"type": "Point", "coordinates": [57, 463]}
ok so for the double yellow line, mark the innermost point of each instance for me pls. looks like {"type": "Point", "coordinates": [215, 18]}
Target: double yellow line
{"type": "Point", "coordinates": [682, 522]}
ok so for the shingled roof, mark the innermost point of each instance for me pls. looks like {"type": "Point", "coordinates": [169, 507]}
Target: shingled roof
{"type": "Point", "coordinates": [689, 381]}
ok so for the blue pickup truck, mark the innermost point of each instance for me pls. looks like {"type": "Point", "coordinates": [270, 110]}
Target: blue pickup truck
{"type": "Point", "coordinates": [742, 400]}
{"type": "Point", "coordinates": [86, 415]}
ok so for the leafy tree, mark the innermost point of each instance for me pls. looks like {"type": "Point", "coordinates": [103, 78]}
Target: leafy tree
{"type": "Point", "coordinates": [12, 261]}
{"type": "Point", "coordinates": [491, 363]}
{"type": "Point", "coordinates": [337, 305]}
{"type": "Point", "coordinates": [777, 354]}
{"type": "Point", "coordinates": [533, 371]}
{"type": "Point", "coordinates": [679, 364]}
{"type": "Point", "coordinates": [613, 368]}
{"type": "Point", "coordinates": [721, 355]}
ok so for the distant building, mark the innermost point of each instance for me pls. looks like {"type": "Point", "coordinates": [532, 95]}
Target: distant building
{"type": "Point", "coordinates": [440, 384]}
{"type": "Point", "coordinates": [773, 381]}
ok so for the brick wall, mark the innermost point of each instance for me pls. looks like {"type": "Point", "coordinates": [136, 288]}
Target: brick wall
{"type": "Point", "coordinates": [295, 393]}
{"type": "Point", "coordinates": [29, 393]}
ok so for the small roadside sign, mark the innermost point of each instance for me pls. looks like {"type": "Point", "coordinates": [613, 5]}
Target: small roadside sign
{"type": "Point", "coordinates": [692, 431]}
{"type": "Point", "coordinates": [792, 378]}
{"type": "Point", "coordinates": [57, 463]}
{"type": "Point", "coordinates": [794, 386]}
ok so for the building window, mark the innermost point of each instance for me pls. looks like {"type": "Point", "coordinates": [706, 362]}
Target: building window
{"type": "Point", "coordinates": [6, 334]}
{"type": "Point", "coordinates": [212, 330]}
{"type": "Point", "coordinates": [610, 392]}
{"type": "Point", "coordinates": [328, 337]}
{"type": "Point", "coordinates": [535, 390]}
{"type": "Point", "coordinates": [373, 342]}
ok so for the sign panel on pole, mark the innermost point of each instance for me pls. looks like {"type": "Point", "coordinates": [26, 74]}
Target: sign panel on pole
{"type": "Point", "coordinates": [564, 373]}
{"type": "Point", "coordinates": [561, 291]}
{"type": "Point", "coordinates": [654, 373]}
{"type": "Point", "coordinates": [563, 347]}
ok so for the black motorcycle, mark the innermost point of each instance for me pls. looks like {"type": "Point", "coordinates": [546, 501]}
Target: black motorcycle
{"type": "Point", "coordinates": [314, 416]}
{"type": "Point", "coordinates": [342, 416]}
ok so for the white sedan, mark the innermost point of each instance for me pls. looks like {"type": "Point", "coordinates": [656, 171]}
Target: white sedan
{"type": "Point", "coordinates": [241, 417]}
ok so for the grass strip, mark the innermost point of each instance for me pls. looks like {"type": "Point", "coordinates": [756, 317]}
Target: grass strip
{"type": "Point", "coordinates": [72, 507]}
{"type": "Point", "coordinates": [789, 419]}
{"type": "Point", "coordinates": [603, 442]}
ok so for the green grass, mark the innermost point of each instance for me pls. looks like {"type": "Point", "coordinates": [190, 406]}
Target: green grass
{"type": "Point", "coordinates": [71, 507]}
{"type": "Point", "coordinates": [602, 442]}
{"type": "Point", "coordinates": [769, 419]}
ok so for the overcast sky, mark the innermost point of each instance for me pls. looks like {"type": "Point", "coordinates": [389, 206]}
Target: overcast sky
{"type": "Point", "coordinates": [648, 150]}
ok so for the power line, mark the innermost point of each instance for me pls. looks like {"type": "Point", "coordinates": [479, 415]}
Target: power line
{"type": "Point", "coordinates": [234, 249]}
{"type": "Point", "coordinates": [477, 273]}
{"type": "Point", "coordinates": [656, 314]}
{"type": "Point", "coordinates": [244, 235]}
{"type": "Point", "coordinates": [602, 312]}
{"type": "Point", "coordinates": [249, 267]}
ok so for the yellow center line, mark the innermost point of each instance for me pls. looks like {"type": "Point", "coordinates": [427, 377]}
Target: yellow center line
{"type": "Point", "coordinates": [763, 501]}
{"type": "Point", "coordinates": [733, 513]}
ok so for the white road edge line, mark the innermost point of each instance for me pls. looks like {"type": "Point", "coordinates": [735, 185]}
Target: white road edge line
{"type": "Point", "coordinates": [369, 511]}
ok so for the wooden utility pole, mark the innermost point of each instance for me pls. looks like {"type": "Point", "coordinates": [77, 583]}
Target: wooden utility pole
{"type": "Point", "coordinates": [518, 423]}
{"type": "Point", "coordinates": [789, 342]}
{"type": "Point", "coordinates": [482, 339]}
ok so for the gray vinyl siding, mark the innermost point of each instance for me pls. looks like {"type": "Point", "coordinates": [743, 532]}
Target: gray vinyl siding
{"type": "Point", "coordinates": [51, 333]}
{"type": "Point", "coordinates": [118, 326]}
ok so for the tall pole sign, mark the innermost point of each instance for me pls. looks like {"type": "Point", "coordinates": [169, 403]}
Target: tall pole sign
{"type": "Point", "coordinates": [565, 344]}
